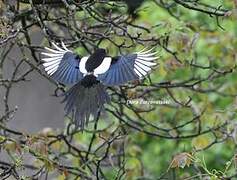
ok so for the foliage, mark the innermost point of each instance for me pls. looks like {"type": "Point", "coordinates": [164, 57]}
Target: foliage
{"type": "Point", "coordinates": [194, 136]}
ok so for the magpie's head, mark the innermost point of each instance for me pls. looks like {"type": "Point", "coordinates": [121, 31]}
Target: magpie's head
{"type": "Point", "coordinates": [100, 52]}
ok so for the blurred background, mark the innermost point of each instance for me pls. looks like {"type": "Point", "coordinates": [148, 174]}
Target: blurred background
{"type": "Point", "coordinates": [192, 137]}
{"type": "Point", "coordinates": [37, 108]}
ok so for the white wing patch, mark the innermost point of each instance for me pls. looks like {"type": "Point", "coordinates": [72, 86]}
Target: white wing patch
{"type": "Point", "coordinates": [103, 67]}
{"type": "Point", "coordinates": [82, 65]}
{"type": "Point", "coordinates": [54, 57]}
{"type": "Point", "coordinates": [144, 62]}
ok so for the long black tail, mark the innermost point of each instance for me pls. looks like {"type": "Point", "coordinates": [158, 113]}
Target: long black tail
{"type": "Point", "coordinates": [82, 101]}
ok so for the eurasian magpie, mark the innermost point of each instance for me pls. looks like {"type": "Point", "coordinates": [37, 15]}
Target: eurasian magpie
{"type": "Point", "coordinates": [89, 75]}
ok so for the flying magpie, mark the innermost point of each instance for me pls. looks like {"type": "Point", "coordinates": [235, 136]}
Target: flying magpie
{"type": "Point", "coordinates": [89, 75]}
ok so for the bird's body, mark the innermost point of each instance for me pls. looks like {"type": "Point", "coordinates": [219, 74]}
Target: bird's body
{"type": "Point", "coordinates": [91, 63]}
{"type": "Point", "coordinates": [89, 80]}
{"type": "Point", "coordinates": [90, 74]}
{"type": "Point", "coordinates": [95, 60]}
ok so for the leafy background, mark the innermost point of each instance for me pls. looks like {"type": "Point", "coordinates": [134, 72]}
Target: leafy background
{"type": "Point", "coordinates": [193, 137]}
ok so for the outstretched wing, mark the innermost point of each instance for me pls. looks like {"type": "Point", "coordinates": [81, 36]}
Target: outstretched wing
{"type": "Point", "coordinates": [62, 64]}
{"type": "Point", "coordinates": [128, 68]}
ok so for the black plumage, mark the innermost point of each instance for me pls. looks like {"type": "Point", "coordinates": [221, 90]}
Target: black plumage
{"type": "Point", "coordinates": [89, 80]}
{"type": "Point", "coordinates": [82, 101]}
{"type": "Point", "coordinates": [95, 59]}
